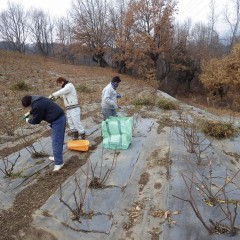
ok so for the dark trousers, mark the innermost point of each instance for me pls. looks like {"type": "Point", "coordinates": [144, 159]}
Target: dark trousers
{"type": "Point", "coordinates": [107, 112]}
{"type": "Point", "coordinates": [58, 131]}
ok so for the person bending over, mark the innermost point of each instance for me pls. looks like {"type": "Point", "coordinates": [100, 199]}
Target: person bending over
{"type": "Point", "coordinates": [43, 109]}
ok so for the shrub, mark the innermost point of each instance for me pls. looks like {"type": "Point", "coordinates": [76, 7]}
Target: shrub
{"type": "Point", "coordinates": [218, 129]}
{"type": "Point", "coordinates": [166, 104]}
{"type": "Point", "coordinates": [21, 86]}
{"type": "Point", "coordinates": [143, 101]}
{"type": "Point", "coordinates": [17, 175]}
{"type": "Point", "coordinates": [84, 88]}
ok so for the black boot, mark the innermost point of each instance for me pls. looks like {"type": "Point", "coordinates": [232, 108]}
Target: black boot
{"type": "Point", "coordinates": [75, 135]}
{"type": "Point", "coordinates": [83, 136]}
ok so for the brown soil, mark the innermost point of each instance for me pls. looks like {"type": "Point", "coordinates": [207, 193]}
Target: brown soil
{"type": "Point", "coordinates": [15, 222]}
{"type": "Point", "coordinates": [18, 146]}
{"type": "Point", "coordinates": [143, 180]}
{"type": "Point", "coordinates": [96, 183]}
{"type": "Point", "coordinates": [134, 215]}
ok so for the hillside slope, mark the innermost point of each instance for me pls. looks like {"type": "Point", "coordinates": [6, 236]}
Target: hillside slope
{"type": "Point", "coordinates": [141, 199]}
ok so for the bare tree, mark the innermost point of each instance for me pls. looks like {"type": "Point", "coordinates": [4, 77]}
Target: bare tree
{"type": "Point", "coordinates": [205, 187]}
{"type": "Point", "coordinates": [64, 39]}
{"type": "Point", "coordinates": [99, 180]}
{"type": "Point", "coordinates": [183, 64]}
{"type": "Point", "coordinates": [14, 26]}
{"type": "Point", "coordinates": [201, 34]}
{"type": "Point", "coordinates": [8, 166]}
{"type": "Point", "coordinates": [206, 42]}
{"type": "Point", "coordinates": [79, 196]}
{"type": "Point", "coordinates": [194, 142]}
{"type": "Point", "coordinates": [214, 36]}
{"type": "Point", "coordinates": [92, 29]}
{"type": "Point", "coordinates": [182, 32]}
{"type": "Point", "coordinates": [64, 30]}
{"type": "Point", "coordinates": [212, 16]}
{"type": "Point", "coordinates": [41, 27]}
{"type": "Point", "coordinates": [233, 19]}
{"type": "Point", "coordinates": [122, 44]}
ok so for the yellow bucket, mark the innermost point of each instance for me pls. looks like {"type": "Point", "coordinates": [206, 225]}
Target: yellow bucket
{"type": "Point", "coordinates": [78, 145]}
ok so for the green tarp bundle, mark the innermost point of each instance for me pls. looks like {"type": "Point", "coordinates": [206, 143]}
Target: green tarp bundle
{"type": "Point", "coordinates": [117, 132]}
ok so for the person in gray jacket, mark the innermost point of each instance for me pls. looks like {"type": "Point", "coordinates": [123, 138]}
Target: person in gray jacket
{"type": "Point", "coordinates": [73, 111]}
{"type": "Point", "coordinates": [109, 98]}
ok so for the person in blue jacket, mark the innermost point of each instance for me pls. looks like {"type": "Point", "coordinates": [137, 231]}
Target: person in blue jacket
{"type": "Point", "coordinates": [44, 109]}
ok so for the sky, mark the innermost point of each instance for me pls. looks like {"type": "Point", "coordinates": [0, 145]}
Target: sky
{"type": "Point", "coordinates": [57, 8]}
{"type": "Point", "coordinates": [197, 10]}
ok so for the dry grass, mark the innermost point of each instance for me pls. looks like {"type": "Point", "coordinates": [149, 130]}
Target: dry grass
{"type": "Point", "coordinates": [166, 104]}
{"type": "Point", "coordinates": [218, 129]}
{"type": "Point", "coordinates": [143, 101]}
{"type": "Point", "coordinates": [152, 100]}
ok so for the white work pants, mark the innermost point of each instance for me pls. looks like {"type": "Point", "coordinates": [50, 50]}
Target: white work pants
{"type": "Point", "coordinates": [73, 119]}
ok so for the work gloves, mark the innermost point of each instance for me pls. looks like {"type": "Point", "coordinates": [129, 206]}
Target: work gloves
{"type": "Point", "coordinates": [26, 115]}
{"type": "Point", "coordinates": [119, 95]}
{"type": "Point", "coordinates": [51, 97]}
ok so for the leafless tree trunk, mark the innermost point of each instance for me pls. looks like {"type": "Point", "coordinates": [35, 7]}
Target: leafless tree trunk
{"type": "Point", "coordinates": [212, 16]}
{"type": "Point", "coordinates": [64, 31]}
{"type": "Point", "coordinates": [233, 20]}
{"type": "Point", "coordinates": [8, 166]}
{"type": "Point", "coordinates": [192, 182]}
{"type": "Point", "coordinates": [42, 31]}
{"type": "Point", "coordinates": [79, 195]}
{"type": "Point", "coordinates": [64, 39]}
{"type": "Point", "coordinates": [214, 37]}
{"type": "Point", "coordinates": [194, 142]}
{"type": "Point", "coordinates": [14, 26]}
{"type": "Point", "coordinates": [99, 180]}
{"type": "Point", "coordinates": [92, 29]}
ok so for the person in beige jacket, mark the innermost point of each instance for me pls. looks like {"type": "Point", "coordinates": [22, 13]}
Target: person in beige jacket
{"type": "Point", "coordinates": [73, 111]}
